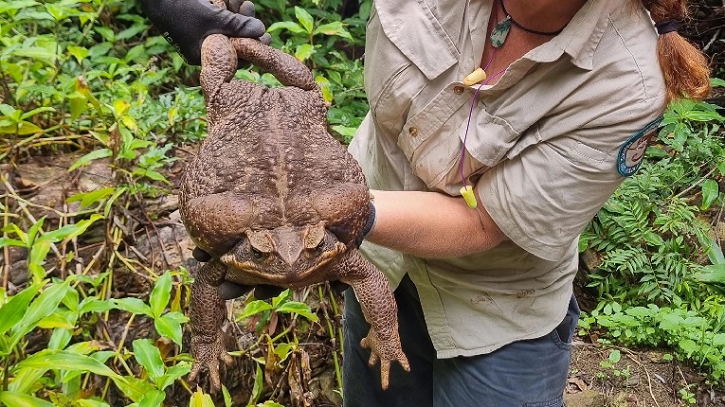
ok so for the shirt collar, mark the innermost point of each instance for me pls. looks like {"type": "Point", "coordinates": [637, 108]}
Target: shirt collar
{"type": "Point", "coordinates": [581, 36]}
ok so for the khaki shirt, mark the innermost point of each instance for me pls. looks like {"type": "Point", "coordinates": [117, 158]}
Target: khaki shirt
{"type": "Point", "coordinates": [542, 152]}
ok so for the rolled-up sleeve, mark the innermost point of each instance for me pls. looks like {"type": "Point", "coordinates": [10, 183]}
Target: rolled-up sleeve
{"type": "Point", "coordinates": [544, 197]}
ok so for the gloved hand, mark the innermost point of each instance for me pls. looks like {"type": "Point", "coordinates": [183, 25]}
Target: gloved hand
{"type": "Point", "coordinates": [229, 290]}
{"type": "Point", "coordinates": [369, 225]}
{"type": "Point", "coordinates": [185, 23]}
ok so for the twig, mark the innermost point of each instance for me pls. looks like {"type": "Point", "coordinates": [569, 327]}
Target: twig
{"type": "Point", "coordinates": [700, 181]}
{"type": "Point", "coordinates": [6, 249]}
{"type": "Point", "coordinates": [631, 356]}
{"type": "Point", "coordinates": [714, 37]}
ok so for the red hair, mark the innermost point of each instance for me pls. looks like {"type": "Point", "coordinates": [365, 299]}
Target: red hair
{"type": "Point", "coordinates": [683, 65]}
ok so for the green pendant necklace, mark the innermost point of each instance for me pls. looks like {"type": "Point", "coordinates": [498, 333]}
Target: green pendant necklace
{"type": "Point", "coordinates": [503, 27]}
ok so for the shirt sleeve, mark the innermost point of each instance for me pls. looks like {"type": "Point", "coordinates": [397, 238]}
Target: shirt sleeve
{"type": "Point", "coordinates": [544, 197]}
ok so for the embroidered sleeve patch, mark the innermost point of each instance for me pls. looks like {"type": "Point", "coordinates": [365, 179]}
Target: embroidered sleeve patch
{"type": "Point", "coordinates": [632, 151]}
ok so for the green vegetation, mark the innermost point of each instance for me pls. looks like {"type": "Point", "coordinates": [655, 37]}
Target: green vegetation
{"type": "Point", "coordinates": [94, 322]}
{"type": "Point", "coordinates": [659, 272]}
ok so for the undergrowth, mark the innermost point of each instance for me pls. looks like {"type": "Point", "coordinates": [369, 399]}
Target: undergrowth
{"type": "Point", "coordinates": [655, 254]}
{"type": "Point", "coordinates": [91, 321]}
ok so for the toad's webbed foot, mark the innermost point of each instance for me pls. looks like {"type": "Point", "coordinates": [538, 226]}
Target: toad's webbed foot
{"type": "Point", "coordinates": [386, 350]}
{"type": "Point", "coordinates": [207, 353]}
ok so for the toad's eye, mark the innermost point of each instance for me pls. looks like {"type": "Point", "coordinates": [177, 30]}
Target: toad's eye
{"type": "Point", "coordinates": [320, 245]}
{"type": "Point", "coordinates": [258, 255]}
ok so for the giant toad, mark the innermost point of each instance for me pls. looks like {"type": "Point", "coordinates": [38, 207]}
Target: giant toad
{"type": "Point", "coordinates": [274, 199]}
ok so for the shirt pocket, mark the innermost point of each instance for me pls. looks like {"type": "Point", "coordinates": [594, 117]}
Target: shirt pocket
{"type": "Point", "coordinates": [435, 150]}
{"type": "Point", "coordinates": [410, 49]}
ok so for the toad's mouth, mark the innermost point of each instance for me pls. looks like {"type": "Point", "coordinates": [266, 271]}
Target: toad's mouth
{"type": "Point", "coordinates": [256, 273]}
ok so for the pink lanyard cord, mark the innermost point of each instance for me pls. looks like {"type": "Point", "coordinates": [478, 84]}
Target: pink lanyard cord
{"type": "Point", "coordinates": [470, 112]}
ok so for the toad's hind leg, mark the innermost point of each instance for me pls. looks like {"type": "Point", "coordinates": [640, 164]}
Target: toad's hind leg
{"type": "Point", "coordinates": [380, 311]}
{"type": "Point", "coordinates": [218, 64]}
{"type": "Point", "coordinates": [207, 317]}
{"type": "Point", "coordinates": [286, 68]}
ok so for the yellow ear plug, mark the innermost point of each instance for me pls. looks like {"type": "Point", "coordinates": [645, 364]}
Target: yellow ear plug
{"type": "Point", "coordinates": [469, 196]}
{"type": "Point", "coordinates": [475, 77]}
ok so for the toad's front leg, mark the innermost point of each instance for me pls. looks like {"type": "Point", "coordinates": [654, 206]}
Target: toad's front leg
{"type": "Point", "coordinates": [207, 316]}
{"type": "Point", "coordinates": [380, 311]}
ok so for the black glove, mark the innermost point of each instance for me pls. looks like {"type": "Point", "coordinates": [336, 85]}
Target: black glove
{"type": "Point", "coordinates": [229, 290]}
{"type": "Point", "coordinates": [185, 23]}
{"type": "Point", "coordinates": [369, 225]}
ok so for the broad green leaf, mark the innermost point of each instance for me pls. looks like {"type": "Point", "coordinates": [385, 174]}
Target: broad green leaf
{"type": "Point", "coordinates": [258, 386]}
{"type": "Point", "coordinates": [120, 107]}
{"type": "Point", "coordinates": [64, 360]}
{"type": "Point", "coordinates": [134, 306]}
{"type": "Point", "coordinates": [107, 33]}
{"type": "Point", "coordinates": [714, 252]}
{"type": "Point", "coordinates": [131, 32]}
{"type": "Point", "coordinates": [8, 111]}
{"type": "Point", "coordinates": [304, 18]}
{"type": "Point", "coordinates": [92, 304]}
{"type": "Point", "coordinates": [78, 104]}
{"type": "Point", "coordinates": [304, 52]}
{"type": "Point", "coordinates": [254, 308]}
{"type": "Point", "coordinates": [6, 6]}
{"type": "Point", "coordinates": [169, 327]}
{"type": "Point", "coordinates": [710, 191]}
{"type": "Point", "coordinates": [688, 345]}
{"type": "Point", "coordinates": [36, 258]}
{"type": "Point", "coordinates": [154, 398]}
{"type": "Point", "coordinates": [228, 401]}
{"type": "Point", "coordinates": [91, 403]}
{"type": "Point", "coordinates": [718, 339]}
{"type": "Point", "coordinates": [88, 198]}
{"type": "Point", "coordinates": [60, 338]}
{"type": "Point", "coordinates": [711, 274]}
{"type": "Point", "coordinates": [12, 312]}
{"type": "Point", "coordinates": [12, 399]}
{"type": "Point", "coordinates": [615, 356]}
{"type": "Point", "coordinates": [58, 13]}
{"type": "Point", "coordinates": [149, 357]}
{"type": "Point", "coordinates": [287, 25]}
{"type": "Point", "coordinates": [25, 379]}
{"type": "Point", "coordinates": [45, 304]}
{"type": "Point", "coordinates": [717, 82]}
{"type": "Point", "coordinates": [298, 308]}
{"type": "Point", "coordinates": [172, 374]}
{"type": "Point", "coordinates": [269, 403]}
{"type": "Point", "coordinates": [134, 388]}
{"type": "Point", "coordinates": [68, 232]}
{"type": "Point", "coordinates": [10, 242]}
{"type": "Point", "coordinates": [160, 295]}
{"type": "Point", "coordinates": [324, 85]}
{"type": "Point", "coordinates": [22, 128]}
{"type": "Point", "coordinates": [55, 320]}
{"type": "Point", "coordinates": [79, 53]}
{"type": "Point", "coordinates": [33, 230]}
{"type": "Point", "coordinates": [199, 399]}
{"type": "Point", "coordinates": [283, 297]}
{"type": "Point", "coordinates": [93, 155]}
{"type": "Point", "coordinates": [336, 28]}
{"type": "Point", "coordinates": [43, 54]}
{"type": "Point", "coordinates": [283, 350]}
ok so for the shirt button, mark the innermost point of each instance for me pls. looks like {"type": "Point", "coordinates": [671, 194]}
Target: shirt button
{"type": "Point", "coordinates": [458, 90]}
{"type": "Point", "coordinates": [413, 132]}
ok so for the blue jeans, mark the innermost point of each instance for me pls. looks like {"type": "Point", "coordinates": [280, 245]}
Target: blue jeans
{"type": "Point", "coordinates": [530, 373]}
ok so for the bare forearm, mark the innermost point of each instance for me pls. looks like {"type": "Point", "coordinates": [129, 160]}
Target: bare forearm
{"type": "Point", "coordinates": [431, 225]}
